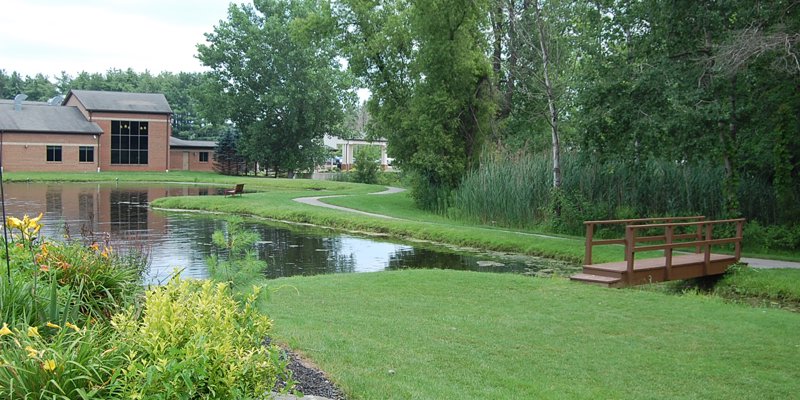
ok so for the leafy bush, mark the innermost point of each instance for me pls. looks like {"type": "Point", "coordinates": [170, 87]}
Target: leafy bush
{"type": "Point", "coordinates": [194, 340]}
{"type": "Point", "coordinates": [774, 237]}
{"type": "Point", "coordinates": [366, 167]}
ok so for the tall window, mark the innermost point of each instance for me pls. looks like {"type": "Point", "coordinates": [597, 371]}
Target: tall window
{"type": "Point", "coordinates": [129, 142]}
{"type": "Point", "coordinates": [54, 153]}
{"type": "Point", "coordinates": [86, 154]}
{"type": "Point", "coordinates": [203, 156]}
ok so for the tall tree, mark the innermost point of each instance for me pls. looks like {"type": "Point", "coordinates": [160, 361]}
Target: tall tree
{"type": "Point", "coordinates": [278, 78]}
{"type": "Point", "coordinates": [426, 65]}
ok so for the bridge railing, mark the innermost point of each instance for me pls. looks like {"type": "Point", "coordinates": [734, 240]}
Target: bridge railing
{"type": "Point", "coordinates": [591, 225]}
{"type": "Point", "coordinates": [670, 243]}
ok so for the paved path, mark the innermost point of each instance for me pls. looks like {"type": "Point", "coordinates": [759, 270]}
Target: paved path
{"type": "Point", "coordinates": [762, 263]}
{"type": "Point", "coordinates": [315, 201]}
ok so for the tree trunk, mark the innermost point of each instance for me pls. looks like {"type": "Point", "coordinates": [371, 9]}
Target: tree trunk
{"type": "Point", "coordinates": [512, 54]}
{"type": "Point", "coordinates": [550, 93]}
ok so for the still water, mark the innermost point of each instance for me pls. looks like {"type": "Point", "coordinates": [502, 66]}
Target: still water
{"type": "Point", "coordinates": [175, 240]}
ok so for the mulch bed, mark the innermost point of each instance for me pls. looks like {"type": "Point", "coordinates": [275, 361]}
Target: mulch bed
{"type": "Point", "coordinates": [309, 381]}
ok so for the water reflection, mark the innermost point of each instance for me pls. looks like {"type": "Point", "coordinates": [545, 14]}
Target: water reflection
{"type": "Point", "coordinates": [183, 240]}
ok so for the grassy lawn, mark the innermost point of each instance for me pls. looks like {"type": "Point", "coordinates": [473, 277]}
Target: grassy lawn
{"type": "Point", "coordinates": [431, 334]}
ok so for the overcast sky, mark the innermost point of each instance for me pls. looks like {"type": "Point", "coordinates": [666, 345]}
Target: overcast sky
{"type": "Point", "coordinates": [50, 36]}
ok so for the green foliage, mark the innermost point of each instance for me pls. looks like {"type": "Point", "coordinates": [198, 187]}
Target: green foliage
{"type": "Point", "coordinates": [228, 159]}
{"type": "Point", "coordinates": [275, 74]}
{"type": "Point", "coordinates": [515, 190]}
{"type": "Point", "coordinates": [429, 78]}
{"type": "Point", "coordinates": [367, 165]}
{"type": "Point", "coordinates": [234, 260]}
{"type": "Point", "coordinates": [772, 237]}
{"type": "Point", "coordinates": [189, 340]}
{"type": "Point", "coordinates": [59, 362]}
{"type": "Point", "coordinates": [192, 341]}
{"type": "Point", "coordinates": [54, 281]}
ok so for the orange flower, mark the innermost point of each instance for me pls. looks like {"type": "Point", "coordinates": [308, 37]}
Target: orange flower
{"type": "Point", "coordinates": [44, 268]}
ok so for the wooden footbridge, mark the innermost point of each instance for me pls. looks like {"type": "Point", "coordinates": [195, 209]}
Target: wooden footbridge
{"type": "Point", "coordinates": [693, 233]}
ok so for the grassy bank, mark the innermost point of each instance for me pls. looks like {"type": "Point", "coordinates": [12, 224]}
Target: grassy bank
{"type": "Point", "coordinates": [761, 287]}
{"type": "Point", "coordinates": [446, 334]}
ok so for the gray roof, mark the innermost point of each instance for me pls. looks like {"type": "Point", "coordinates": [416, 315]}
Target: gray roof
{"type": "Point", "coordinates": [41, 117]}
{"type": "Point", "coordinates": [95, 100]}
{"type": "Point", "coordinates": [205, 144]}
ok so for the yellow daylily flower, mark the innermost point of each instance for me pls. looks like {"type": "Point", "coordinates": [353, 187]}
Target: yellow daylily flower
{"type": "Point", "coordinates": [33, 332]}
{"type": "Point", "coordinates": [13, 222]}
{"type": "Point", "coordinates": [72, 326]}
{"type": "Point", "coordinates": [49, 365]}
{"type": "Point", "coordinates": [32, 353]}
{"type": "Point", "coordinates": [36, 220]}
{"type": "Point", "coordinates": [52, 325]}
{"type": "Point", "coordinates": [5, 331]}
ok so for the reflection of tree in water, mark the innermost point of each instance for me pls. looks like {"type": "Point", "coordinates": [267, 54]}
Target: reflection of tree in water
{"type": "Point", "coordinates": [422, 258]}
{"type": "Point", "coordinates": [292, 253]}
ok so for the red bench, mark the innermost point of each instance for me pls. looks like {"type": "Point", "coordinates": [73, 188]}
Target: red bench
{"type": "Point", "coordinates": [239, 189]}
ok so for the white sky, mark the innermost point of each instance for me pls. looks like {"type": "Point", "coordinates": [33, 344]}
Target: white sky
{"type": "Point", "coordinates": [50, 36]}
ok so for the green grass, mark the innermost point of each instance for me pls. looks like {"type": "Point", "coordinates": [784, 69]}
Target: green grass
{"type": "Point", "coordinates": [251, 183]}
{"type": "Point", "coordinates": [775, 286]}
{"type": "Point", "coordinates": [431, 334]}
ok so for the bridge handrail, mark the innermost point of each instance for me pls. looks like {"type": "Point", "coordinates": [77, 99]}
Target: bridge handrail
{"type": "Point", "coordinates": [669, 245]}
{"type": "Point", "coordinates": [590, 242]}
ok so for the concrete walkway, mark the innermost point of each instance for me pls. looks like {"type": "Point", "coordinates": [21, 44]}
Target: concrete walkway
{"type": "Point", "coordinates": [762, 263]}
{"type": "Point", "coordinates": [315, 201]}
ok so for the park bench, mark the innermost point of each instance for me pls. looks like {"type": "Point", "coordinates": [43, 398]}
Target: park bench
{"type": "Point", "coordinates": [239, 189]}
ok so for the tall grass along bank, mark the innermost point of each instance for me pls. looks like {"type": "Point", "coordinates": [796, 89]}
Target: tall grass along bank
{"type": "Point", "coordinates": [515, 190]}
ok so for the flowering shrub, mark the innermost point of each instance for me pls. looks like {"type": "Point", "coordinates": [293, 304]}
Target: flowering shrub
{"type": "Point", "coordinates": [59, 362]}
{"type": "Point", "coordinates": [74, 327]}
{"type": "Point", "coordinates": [194, 340]}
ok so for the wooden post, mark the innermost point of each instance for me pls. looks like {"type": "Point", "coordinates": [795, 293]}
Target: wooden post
{"type": "Point", "coordinates": [707, 258]}
{"type": "Point", "coordinates": [739, 233]}
{"type": "Point", "coordinates": [587, 259]}
{"type": "Point", "coordinates": [668, 251]}
{"type": "Point", "coordinates": [699, 236]}
{"type": "Point", "coordinates": [630, 237]}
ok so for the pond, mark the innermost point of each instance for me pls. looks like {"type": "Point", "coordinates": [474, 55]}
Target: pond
{"type": "Point", "coordinates": [179, 240]}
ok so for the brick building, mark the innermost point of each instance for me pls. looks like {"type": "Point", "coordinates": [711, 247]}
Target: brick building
{"type": "Point", "coordinates": [93, 131]}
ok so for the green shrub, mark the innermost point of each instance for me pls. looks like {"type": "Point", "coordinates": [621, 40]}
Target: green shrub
{"type": "Point", "coordinates": [55, 362]}
{"type": "Point", "coordinates": [194, 340]}
{"type": "Point", "coordinates": [366, 167]}
{"type": "Point", "coordinates": [233, 260]}
{"type": "Point", "coordinates": [774, 237]}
